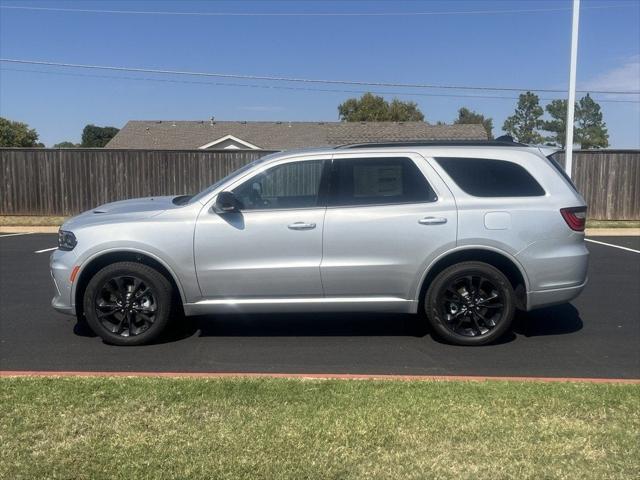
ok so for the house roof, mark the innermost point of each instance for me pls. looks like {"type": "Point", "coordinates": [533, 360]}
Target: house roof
{"type": "Point", "coordinates": [178, 135]}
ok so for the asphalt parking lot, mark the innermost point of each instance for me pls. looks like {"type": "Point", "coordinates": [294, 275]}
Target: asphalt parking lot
{"type": "Point", "coordinates": [597, 336]}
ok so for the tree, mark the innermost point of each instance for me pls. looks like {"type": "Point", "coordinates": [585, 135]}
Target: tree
{"type": "Point", "coordinates": [400, 111]}
{"type": "Point", "coordinates": [65, 144]}
{"type": "Point", "coordinates": [372, 108]}
{"type": "Point", "coordinates": [17, 134]}
{"type": "Point", "coordinates": [591, 131]}
{"type": "Point", "coordinates": [557, 109]}
{"type": "Point", "coordinates": [94, 136]}
{"type": "Point", "coordinates": [523, 125]}
{"type": "Point", "coordinates": [466, 117]}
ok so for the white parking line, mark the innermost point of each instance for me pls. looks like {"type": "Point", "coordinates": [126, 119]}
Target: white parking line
{"type": "Point", "coordinates": [14, 234]}
{"type": "Point", "coordinates": [46, 250]}
{"type": "Point", "coordinates": [612, 245]}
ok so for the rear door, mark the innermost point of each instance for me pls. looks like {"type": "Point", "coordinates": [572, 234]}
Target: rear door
{"type": "Point", "coordinates": [388, 217]}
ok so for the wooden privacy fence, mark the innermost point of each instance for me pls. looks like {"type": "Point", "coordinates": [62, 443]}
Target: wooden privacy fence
{"type": "Point", "coordinates": [609, 181]}
{"type": "Point", "coordinates": [68, 181]}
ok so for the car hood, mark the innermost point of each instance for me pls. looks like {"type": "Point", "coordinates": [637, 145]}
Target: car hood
{"type": "Point", "coordinates": [124, 210]}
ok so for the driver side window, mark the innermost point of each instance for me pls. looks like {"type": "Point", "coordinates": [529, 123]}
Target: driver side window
{"type": "Point", "coordinates": [290, 185]}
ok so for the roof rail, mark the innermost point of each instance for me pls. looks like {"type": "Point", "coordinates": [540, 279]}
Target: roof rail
{"type": "Point", "coordinates": [504, 141]}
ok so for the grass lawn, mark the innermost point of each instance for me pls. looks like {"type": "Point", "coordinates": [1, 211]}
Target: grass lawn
{"type": "Point", "coordinates": [30, 221]}
{"type": "Point", "coordinates": [275, 428]}
{"type": "Point", "coordinates": [613, 224]}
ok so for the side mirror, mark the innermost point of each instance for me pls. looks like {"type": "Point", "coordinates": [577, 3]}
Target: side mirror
{"type": "Point", "coordinates": [227, 202]}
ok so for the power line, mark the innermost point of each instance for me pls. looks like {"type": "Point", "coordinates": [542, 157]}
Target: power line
{"type": "Point", "coordinates": [281, 87]}
{"type": "Point", "coordinates": [312, 14]}
{"type": "Point", "coordinates": [304, 80]}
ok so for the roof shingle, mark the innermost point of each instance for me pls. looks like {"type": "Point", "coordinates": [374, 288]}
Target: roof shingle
{"type": "Point", "coordinates": [179, 135]}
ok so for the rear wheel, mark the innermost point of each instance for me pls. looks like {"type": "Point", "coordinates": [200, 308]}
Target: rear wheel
{"type": "Point", "coordinates": [471, 303]}
{"type": "Point", "coordinates": [128, 303]}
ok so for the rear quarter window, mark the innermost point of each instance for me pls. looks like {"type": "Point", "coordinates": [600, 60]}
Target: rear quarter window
{"type": "Point", "coordinates": [560, 169]}
{"type": "Point", "coordinates": [483, 177]}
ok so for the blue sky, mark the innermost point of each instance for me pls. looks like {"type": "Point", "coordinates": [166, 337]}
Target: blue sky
{"type": "Point", "coordinates": [529, 50]}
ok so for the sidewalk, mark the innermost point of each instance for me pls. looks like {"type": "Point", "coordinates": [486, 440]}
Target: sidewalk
{"type": "Point", "coordinates": [28, 229]}
{"type": "Point", "coordinates": [612, 232]}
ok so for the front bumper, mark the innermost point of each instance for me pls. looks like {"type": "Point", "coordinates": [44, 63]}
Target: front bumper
{"type": "Point", "coordinates": [61, 264]}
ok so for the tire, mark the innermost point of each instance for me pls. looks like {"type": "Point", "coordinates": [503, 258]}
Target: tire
{"type": "Point", "coordinates": [128, 303]}
{"type": "Point", "coordinates": [470, 303]}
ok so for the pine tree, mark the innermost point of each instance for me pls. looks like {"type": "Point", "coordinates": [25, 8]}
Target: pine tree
{"type": "Point", "coordinates": [591, 131]}
{"type": "Point", "coordinates": [523, 125]}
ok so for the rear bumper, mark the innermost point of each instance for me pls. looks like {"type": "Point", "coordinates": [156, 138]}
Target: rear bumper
{"type": "Point", "coordinates": [556, 269]}
{"type": "Point", "coordinates": [546, 298]}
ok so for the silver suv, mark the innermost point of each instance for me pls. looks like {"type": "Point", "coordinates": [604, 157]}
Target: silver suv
{"type": "Point", "coordinates": [465, 233]}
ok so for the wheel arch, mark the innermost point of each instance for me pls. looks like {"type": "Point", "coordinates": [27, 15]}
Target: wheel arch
{"type": "Point", "coordinates": [102, 259]}
{"type": "Point", "coordinates": [499, 259]}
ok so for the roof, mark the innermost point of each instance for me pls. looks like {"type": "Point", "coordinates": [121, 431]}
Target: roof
{"type": "Point", "coordinates": [179, 135]}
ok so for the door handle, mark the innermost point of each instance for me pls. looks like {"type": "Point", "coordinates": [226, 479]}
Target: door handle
{"type": "Point", "coordinates": [302, 226]}
{"type": "Point", "coordinates": [432, 221]}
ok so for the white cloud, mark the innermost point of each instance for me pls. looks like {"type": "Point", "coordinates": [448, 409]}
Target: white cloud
{"type": "Point", "coordinates": [623, 78]}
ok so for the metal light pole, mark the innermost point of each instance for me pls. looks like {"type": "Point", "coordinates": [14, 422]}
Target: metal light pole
{"type": "Point", "coordinates": [572, 88]}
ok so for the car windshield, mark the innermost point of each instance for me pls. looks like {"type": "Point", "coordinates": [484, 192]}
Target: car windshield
{"type": "Point", "coordinates": [204, 193]}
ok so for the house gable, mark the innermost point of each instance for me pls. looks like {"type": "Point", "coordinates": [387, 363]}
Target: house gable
{"type": "Point", "coordinates": [229, 142]}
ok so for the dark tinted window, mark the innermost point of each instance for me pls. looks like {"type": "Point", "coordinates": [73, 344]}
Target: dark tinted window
{"type": "Point", "coordinates": [481, 177]}
{"type": "Point", "coordinates": [291, 185]}
{"type": "Point", "coordinates": [375, 181]}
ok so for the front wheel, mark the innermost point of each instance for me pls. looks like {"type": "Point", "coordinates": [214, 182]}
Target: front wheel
{"type": "Point", "coordinates": [128, 303]}
{"type": "Point", "coordinates": [470, 303]}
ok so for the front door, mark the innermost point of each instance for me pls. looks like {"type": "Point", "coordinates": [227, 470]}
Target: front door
{"type": "Point", "coordinates": [388, 217]}
{"type": "Point", "coordinates": [272, 248]}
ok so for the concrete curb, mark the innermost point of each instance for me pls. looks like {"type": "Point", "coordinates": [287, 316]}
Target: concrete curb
{"type": "Point", "coordinates": [27, 229]}
{"type": "Point", "coordinates": [313, 376]}
{"type": "Point", "coordinates": [612, 232]}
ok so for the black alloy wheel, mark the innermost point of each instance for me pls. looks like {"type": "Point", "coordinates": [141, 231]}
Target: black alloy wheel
{"type": "Point", "coordinates": [128, 303]}
{"type": "Point", "coordinates": [126, 306]}
{"type": "Point", "coordinates": [470, 303]}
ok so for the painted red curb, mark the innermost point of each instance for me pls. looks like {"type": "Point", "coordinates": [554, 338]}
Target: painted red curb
{"type": "Point", "coordinates": [321, 376]}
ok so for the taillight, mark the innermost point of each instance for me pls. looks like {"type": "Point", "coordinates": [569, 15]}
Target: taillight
{"type": "Point", "coordinates": [576, 217]}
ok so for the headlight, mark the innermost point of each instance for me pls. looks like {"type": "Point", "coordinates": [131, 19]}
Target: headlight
{"type": "Point", "coordinates": [66, 240]}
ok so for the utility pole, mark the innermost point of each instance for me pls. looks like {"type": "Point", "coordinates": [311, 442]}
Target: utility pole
{"type": "Point", "coordinates": [568, 162]}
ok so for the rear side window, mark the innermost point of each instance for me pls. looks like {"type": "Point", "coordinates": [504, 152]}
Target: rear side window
{"type": "Point", "coordinates": [378, 181]}
{"type": "Point", "coordinates": [482, 177]}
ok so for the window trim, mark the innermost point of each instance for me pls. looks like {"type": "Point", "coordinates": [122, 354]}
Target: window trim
{"type": "Point", "coordinates": [404, 156]}
{"type": "Point", "coordinates": [374, 205]}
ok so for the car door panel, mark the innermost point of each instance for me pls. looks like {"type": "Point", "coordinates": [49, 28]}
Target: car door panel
{"type": "Point", "coordinates": [270, 248]}
{"type": "Point", "coordinates": [382, 250]}
{"type": "Point", "coordinates": [257, 254]}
